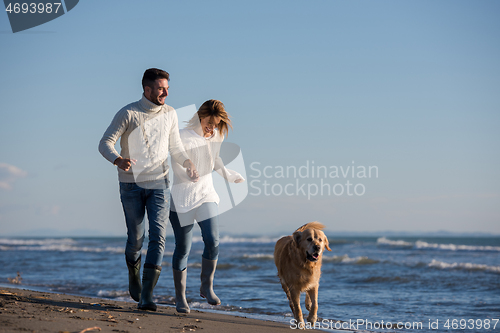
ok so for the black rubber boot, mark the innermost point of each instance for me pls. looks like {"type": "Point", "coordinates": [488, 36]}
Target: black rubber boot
{"type": "Point", "coordinates": [134, 279]}
{"type": "Point", "coordinates": [149, 278]}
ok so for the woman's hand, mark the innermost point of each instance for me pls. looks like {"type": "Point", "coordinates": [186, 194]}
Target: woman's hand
{"type": "Point", "coordinates": [191, 171]}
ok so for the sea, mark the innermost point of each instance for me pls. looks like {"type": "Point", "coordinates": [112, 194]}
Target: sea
{"type": "Point", "coordinates": [368, 284]}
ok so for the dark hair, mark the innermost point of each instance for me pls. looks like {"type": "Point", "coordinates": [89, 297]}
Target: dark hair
{"type": "Point", "coordinates": [153, 74]}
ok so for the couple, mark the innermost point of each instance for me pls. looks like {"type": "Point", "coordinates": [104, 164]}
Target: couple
{"type": "Point", "coordinates": [148, 130]}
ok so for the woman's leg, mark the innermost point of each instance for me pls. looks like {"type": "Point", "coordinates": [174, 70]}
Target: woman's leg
{"type": "Point", "coordinates": [209, 225]}
{"type": "Point", "coordinates": [207, 214]}
{"type": "Point", "coordinates": [183, 240]}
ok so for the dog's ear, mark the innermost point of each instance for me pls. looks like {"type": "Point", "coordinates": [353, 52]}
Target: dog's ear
{"type": "Point", "coordinates": [296, 237]}
{"type": "Point", "coordinates": [327, 243]}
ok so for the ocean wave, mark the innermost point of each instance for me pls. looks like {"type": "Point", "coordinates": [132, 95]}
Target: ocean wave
{"type": "Point", "coordinates": [230, 239]}
{"type": "Point", "coordinates": [455, 247]}
{"type": "Point", "coordinates": [113, 293]}
{"type": "Point", "coordinates": [219, 308]}
{"type": "Point", "coordinates": [345, 259]}
{"type": "Point", "coordinates": [56, 245]}
{"type": "Point", "coordinates": [34, 242]}
{"type": "Point", "coordinates": [66, 248]}
{"type": "Point", "coordinates": [260, 256]}
{"type": "Point", "coordinates": [225, 266]}
{"type": "Point", "coordinates": [436, 246]}
{"type": "Point", "coordinates": [256, 312]}
{"type": "Point", "coordinates": [400, 243]}
{"type": "Point", "coordinates": [464, 266]}
{"type": "Point", "coordinates": [194, 265]}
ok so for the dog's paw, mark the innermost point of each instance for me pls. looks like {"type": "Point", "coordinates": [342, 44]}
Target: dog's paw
{"type": "Point", "coordinates": [312, 319]}
{"type": "Point", "coordinates": [301, 325]}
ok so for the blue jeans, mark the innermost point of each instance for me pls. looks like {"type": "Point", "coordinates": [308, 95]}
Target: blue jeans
{"type": "Point", "coordinates": [184, 233]}
{"type": "Point", "coordinates": [137, 199]}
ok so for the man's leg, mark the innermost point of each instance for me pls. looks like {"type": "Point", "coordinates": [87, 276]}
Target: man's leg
{"type": "Point", "coordinates": [158, 208]}
{"type": "Point", "coordinates": [132, 198]}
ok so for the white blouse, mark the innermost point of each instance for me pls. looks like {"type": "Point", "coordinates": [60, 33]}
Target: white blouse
{"type": "Point", "coordinates": [204, 153]}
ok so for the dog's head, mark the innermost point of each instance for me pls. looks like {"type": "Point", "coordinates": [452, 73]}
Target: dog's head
{"type": "Point", "coordinates": [311, 241]}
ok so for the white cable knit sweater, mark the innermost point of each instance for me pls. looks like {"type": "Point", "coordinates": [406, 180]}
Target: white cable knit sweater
{"type": "Point", "coordinates": [204, 153]}
{"type": "Point", "coordinates": [147, 132]}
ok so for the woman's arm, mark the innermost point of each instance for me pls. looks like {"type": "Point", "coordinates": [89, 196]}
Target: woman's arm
{"type": "Point", "coordinates": [231, 175]}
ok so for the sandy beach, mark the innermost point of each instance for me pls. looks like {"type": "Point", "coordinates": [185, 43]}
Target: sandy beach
{"type": "Point", "coordinates": [32, 311]}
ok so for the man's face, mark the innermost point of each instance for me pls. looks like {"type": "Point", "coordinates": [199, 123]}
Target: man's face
{"type": "Point", "coordinates": [158, 92]}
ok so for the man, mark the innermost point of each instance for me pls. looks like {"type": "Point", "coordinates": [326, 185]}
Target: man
{"type": "Point", "coordinates": [148, 130]}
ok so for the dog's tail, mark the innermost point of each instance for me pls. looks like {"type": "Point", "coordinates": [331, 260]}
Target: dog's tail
{"type": "Point", "coordinates": [311, 225]}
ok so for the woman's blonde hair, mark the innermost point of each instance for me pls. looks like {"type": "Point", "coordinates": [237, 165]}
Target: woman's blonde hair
{"type": "Point", "coordinates": [212, 108]}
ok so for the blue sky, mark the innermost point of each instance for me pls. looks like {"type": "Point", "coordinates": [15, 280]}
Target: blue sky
{"type": "Point", "coordinates": [411, 87]}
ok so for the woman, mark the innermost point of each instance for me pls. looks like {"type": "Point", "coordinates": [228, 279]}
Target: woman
{"type": "Point", "coordinates": [202, 139]}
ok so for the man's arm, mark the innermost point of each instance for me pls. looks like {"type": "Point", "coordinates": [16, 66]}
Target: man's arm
{"type": "Point", "coordinates": [110, 137]}
{"type": "Point", "coordinates": [177, 150]}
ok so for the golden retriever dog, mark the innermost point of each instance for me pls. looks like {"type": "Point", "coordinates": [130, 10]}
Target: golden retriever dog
{"type": "Point", "coordinates": [298, 259]}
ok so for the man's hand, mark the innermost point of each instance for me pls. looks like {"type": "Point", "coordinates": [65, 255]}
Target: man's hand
{"type": "Point", "coordinates": [191, 170]}
{"type": "Point", "coordinates": [124, 163]}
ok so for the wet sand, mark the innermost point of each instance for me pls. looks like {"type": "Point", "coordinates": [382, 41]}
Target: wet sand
{"type": "Point", "coordinates": [32, 311]}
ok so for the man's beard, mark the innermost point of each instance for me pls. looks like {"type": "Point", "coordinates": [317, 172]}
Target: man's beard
{"type": "Point", "coordinates": [157, 101]}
